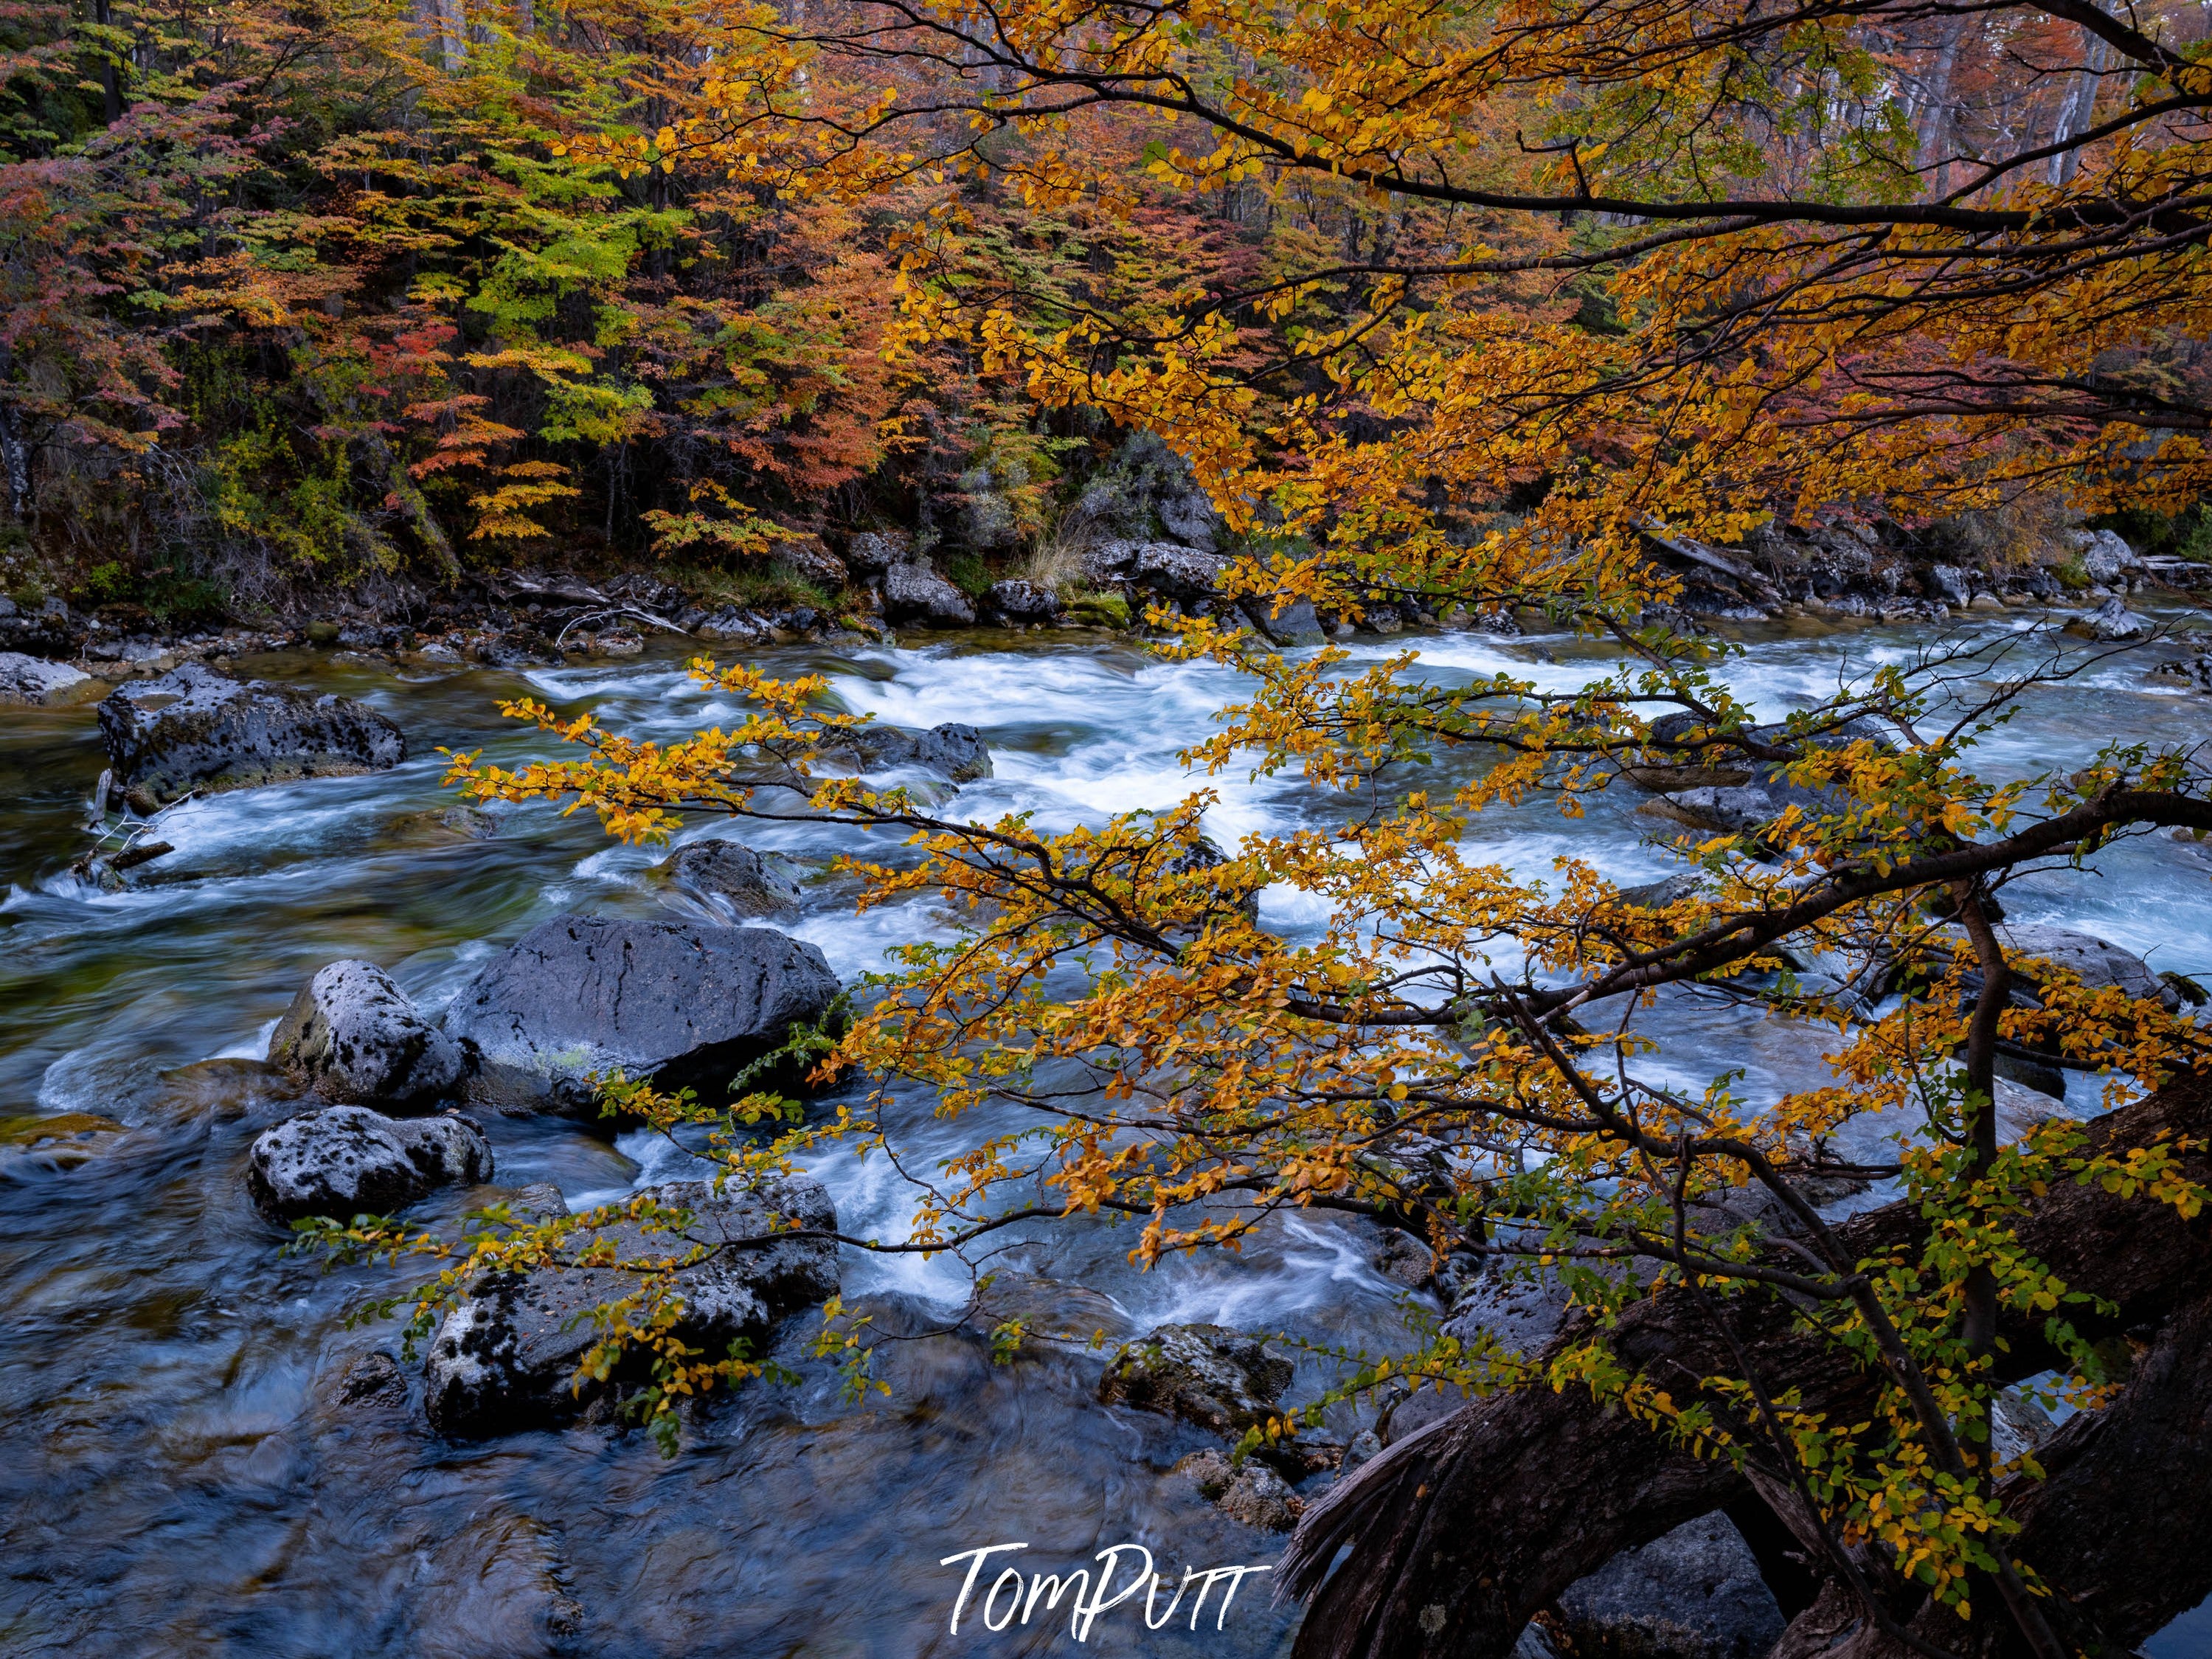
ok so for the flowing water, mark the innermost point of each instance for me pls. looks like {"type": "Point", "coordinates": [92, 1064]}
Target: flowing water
{"type": "Point", "coordinates": [181, 1474]}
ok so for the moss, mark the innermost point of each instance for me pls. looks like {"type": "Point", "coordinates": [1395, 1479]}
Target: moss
{"type": "Point", "coordinates": [2072, 575]}
{"type": "Point", "coordinates": [1100, 610]}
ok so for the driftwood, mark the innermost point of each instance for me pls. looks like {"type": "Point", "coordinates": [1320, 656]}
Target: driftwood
{"type": "Point", "coordinates": [1458, 1534]}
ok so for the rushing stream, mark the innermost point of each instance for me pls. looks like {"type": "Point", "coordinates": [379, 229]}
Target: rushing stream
{"type": "Point", "coordinates": [181, 1472]}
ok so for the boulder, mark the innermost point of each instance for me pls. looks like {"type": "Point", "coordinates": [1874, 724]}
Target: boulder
{"type": "Point", "coordinates": [1286, 622]}
{"type": "Point", "coordinates": [2104, 555]}
{"type": "Point", "coordinates": [1176, 572]}
{"type": "Point", "coordinates": [873, 552]}
{"type": "Point", "coordinates": [196, 730]}
{"type": "Point", "coordinates": [505, 1357]}
{"type": "Point", "coordinates": [1190, 518]}
{"type": "Point", "coordinates": [953, 750]}
{"type": "Point", "coordinates": [1108, 561]}
{"type": "Point", "coordinates": [1694, 1593]}
{"type": "Point", "coordinates": [805, 557]}
{"type": "Point", "coordinates": [685, 1005]}
{"type": "Point", "coordinates": [1220, 1379]}
{"type": "Point", "coordinates": [732, 875]}
{"type": "Point", "coordinates": [2097, 961]}
{"type": "Point", "coordinates": [345, 1161]}
{"type": "Point", "coordinates": [915, 592]}
{"type": "Point", "coordinates": [2110, 621]}
{"type": "Point", "coordinates": [35, 682]}
{"type": "Point", "coordinates": [1021, 602]}
{"type": "Point", "coordinates": [1523, 1309]}
{"type": "Point", "coordinates": [1951, 585]}
{"type": "Point", "coordinates": [353, 1036]}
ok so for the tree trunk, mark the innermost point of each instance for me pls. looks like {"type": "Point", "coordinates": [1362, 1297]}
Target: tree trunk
{"type": "Point", "coordinates": [1460, 1534]}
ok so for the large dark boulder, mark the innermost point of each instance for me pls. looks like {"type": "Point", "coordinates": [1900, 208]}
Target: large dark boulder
{"type": "Point", "coordinates": [730, 874]}
{"type": "Point", "coordinates": [916, 593]}
{"type": "Point", "coordinates": [1695, 1593]}
{"type": "Point", "coordinates": [505, 1358]}
{"type": "Point", "coordinates": [683, 1004]}
{"type": "Point", "coordinates": [346, 1161]}
{"type": "Point", "coordinates": [351, 1035]}
{"type": "Point", "coordinates": [196, 730]}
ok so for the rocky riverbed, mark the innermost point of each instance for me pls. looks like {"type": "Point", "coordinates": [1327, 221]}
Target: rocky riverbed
{"type": "Point", "coordinates": [330, 972]}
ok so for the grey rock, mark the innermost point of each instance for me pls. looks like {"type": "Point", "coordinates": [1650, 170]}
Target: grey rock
{"type": "Point", "coordinates": [345, 1161]}
{"type": "Point", "coordinates": [873, 552]}
{"type": "Point", "coordinates": [1523, 1310]}
{"type": "Point", "coordinates": [915, 592]}
{"type": "Point", "coordinates": [1179, 573]}
{"type": "Point", "coordinates": [2098, 962]}
{"type": "Point", "coordinates": [2105, 554]}
{"type": "Point", "coordinates": [2110, 621]}
{"type": "Point", "coordinates": [1695, 1593]}
{"type": "Point", "coordinates": [505, 1357]}
{"type": "Point", "coordinates": [1220, 1379]}
{"type": "Point", "coordinates": [1108, 561]}
{"type": "Point", "coordinates": [682, 1004]}
{"type": "Point", "coordinates": [736, 877]}
{"type": "Point", "coordinates": [731, 626]}
{"type": "Point", "coordinates": [1951, 585]}
{"type": "Point", "coordinates": [1261, 1499]}
{"type": "Point", "coordinates": [1283, 621]}
{"type": "Point", "coordinates": [1022, 602]}
{"type": "Point", "coordinates": [194, 729]}
{"type": "Point", "coordinates": [1664, 893]}
{"type": "Point", "coordinates": [353, 1036]}
{"type": "Point", "coordinates": [954, 750]}
{"type": "Point", "coordinates": [35, 682]}
{"type": "Point", "coordinates": [806, 557]}
{"type": "Point", "coordinates": [1190, 518]}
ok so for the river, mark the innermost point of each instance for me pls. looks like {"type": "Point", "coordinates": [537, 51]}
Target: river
{"type": "Point", "coordinates": [181, 1476]}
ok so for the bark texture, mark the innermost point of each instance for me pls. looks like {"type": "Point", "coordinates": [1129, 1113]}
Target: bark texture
{"type": "Point", "coordinates": [1458, 1534]}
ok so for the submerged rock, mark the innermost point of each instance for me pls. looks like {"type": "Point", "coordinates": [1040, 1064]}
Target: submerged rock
{"type": "Point", "coordinates": [1217, 1378]}
{"type": "Point", "coordinates": [353, 1036]}
{"type": "Point", "coordinates": [1254, 1494]}
{"type": "Point", "coordinates": [346, 1161]}
{"type": "Point", "coordinates": [953, 750]}
{"type": "Point", "coordinates": [505, 1356]}
{"type": "Point", "coordinates": [196, 730]}
{"type": "Point", "coordinates": [35, 681]}
{"type": "Point", "coordinates": [736, 877]}
{"type": "Point", "coordinates": [915, 592]}
{"type": "Point", "coordinates": [1694, 1593]}
{"type": "Point", "coordinates": [684, 1004]}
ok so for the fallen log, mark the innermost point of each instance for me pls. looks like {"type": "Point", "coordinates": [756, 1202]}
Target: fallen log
{"type": "Point", "coordinates": [1459, 1534]}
